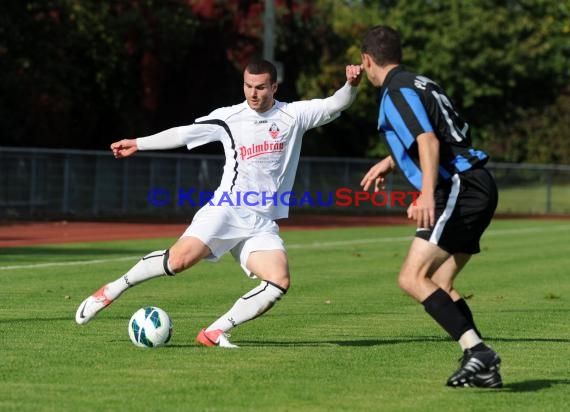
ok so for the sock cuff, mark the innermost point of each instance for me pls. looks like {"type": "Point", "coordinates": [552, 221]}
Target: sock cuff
{"type": "Point", "coordinates": [166, 264]}
{"type": "Point", "coordinates": [267, 288]}
{"type": "Point", "coordinates": [276, 286]}
{"type": "Point", "coordinates": [161, 254]}
{"type": "Point", "coordinates": [443, 310]}
{"type": "Point", "coordinates": [436, 298]}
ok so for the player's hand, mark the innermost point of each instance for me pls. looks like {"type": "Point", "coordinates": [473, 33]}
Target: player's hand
{"type": "Point", "coordinates": [124, 148]}
{"type": "Point", "coordinates": [354, 74]}
{"type": "Point", "coordinates": [376, 175]}
{"type": "Point", "coordinates": [423, 212]}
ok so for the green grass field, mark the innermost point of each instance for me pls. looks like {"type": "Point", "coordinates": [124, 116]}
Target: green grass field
{"type": "Point", "coordinates": [345, 338]}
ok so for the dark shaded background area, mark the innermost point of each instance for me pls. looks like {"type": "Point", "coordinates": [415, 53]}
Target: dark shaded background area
{"type": "Point", "coordinates": [82, 74]}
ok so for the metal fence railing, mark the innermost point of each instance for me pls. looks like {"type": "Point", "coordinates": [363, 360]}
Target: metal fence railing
{"type": "Point", "coordinates": [50, 183]}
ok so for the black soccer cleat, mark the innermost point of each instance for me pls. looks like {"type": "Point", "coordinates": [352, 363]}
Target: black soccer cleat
{"type": "Point", "coordinates": [478, 368]}
{"type": "Point", "coordinates": [490, 379]}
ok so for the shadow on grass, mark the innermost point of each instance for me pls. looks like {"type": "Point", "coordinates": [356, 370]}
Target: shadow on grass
{"type": "Point", "coordinates": [534, 385]}
{"type": "Point", "coordinates": [321, 343]}
{"type": "Point", "coordinates": [396, 341]}
{"type": "Point", "coordinates": [393, 341]}
{"type": "Point", "coordinates": [360, 342]}
{"type": "Point", "coordinates": [381, 342]}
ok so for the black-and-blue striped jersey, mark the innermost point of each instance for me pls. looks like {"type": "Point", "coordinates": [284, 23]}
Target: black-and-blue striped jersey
{"type": "Point", "coordinates": [410, 105]}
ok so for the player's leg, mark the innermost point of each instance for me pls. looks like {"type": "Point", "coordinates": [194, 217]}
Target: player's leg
{"type": "Point", "coordinates": [272, 268]}
{"type": "Point", "coordinates": [186, 252]}
{"type": "Point", "coordinates": [268, 264]}
{"type": "Point", "coordinates": [424, 260]}
{"type": "Point", "coordinates": [444, 277]}
{"type": "Point", "coordinates": [464, 210]}
{"type": "Point", "coordinates": [416, 278]}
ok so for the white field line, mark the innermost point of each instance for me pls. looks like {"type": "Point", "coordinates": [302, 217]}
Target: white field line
{"type": "Point", "coordinates": [319, 245]}
{"type": "Point", "coordinates": [70, 263]}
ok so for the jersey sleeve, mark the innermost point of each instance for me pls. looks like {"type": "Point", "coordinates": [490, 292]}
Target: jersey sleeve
{"type": "Point", "coordinates": [204, 130]}
{"type": "Point", "coordinates": [311, 113]}
{"type": "Point", "coordinates": [167, 139]}
{"type": "Point", "coordinates": [317, 112]}
{"type": "Point", "coordinates": [406, 113]}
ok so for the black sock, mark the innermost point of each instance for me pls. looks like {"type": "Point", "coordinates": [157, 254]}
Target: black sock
{"type": "Point", "coordinates": [464, 308]}
{"type": "Point", "coordinates": [444, 311]}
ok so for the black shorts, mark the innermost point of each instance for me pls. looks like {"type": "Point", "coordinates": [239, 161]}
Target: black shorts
{"type": "Point", "coordinates": [464, 208]}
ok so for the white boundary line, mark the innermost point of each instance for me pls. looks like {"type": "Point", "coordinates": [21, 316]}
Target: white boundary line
{"type": "Point", "coordinates": [70, 263]}
{"type": "Point", "coordinates": [297, 246]}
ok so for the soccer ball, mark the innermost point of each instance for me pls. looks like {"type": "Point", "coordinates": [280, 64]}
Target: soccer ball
{"type": "Point", "coordinates": [150, 327]}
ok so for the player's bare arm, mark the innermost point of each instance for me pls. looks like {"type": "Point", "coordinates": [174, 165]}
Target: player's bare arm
{"type": "Point", "coordinates": [124, 148]}
{"type": "Point", "coordinates": [377, 173]}
{"type": "Point", "coordinates": [423, 211]}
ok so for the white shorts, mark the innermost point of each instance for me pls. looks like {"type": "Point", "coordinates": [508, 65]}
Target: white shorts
{"type": "Point", "coordinates": [227, 228]}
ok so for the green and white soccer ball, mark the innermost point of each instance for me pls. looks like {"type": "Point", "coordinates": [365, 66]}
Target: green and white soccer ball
{"type": "Point", "coordinates": [150, 327]}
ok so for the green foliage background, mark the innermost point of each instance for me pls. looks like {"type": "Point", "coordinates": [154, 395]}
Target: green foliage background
{"type": "Point", "coordinates": [81, 74]}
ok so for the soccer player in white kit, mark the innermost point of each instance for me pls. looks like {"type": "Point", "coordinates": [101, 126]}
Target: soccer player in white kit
{"type": "Point", "coordinates": [262, 142]}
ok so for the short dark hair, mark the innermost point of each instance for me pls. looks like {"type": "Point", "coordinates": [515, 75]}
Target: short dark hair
{"type": "Point", "coordinates": [383, 44]}
{"type": "Point", "coordinates": [261, 66]}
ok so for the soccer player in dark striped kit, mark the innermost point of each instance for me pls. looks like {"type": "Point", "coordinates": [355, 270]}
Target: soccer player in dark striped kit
{"type": "Point", "coordinates": [430, 143]}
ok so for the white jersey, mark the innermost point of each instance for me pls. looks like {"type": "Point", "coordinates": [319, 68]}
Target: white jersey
{"type": "Point", "coordinates": [262, 150]}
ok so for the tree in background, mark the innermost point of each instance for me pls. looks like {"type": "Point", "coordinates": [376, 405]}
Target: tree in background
{"type": "Point", "coordinates": [506, 64]}
{"type": "Point", "coordinates": [76, 73]}
{"type": "Point", "coordinates": [81, 74]}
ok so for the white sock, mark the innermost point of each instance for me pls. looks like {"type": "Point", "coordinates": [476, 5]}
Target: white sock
{"type": "Point", "coordinates": [152, 265]}
{"type": "Point", "coordinates": [469, 339]}
{"type": "Point", "coordinates": [251, 305]}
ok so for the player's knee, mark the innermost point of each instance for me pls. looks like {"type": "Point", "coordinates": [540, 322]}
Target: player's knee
{"type": "Point", "coordinates": [406, 283]}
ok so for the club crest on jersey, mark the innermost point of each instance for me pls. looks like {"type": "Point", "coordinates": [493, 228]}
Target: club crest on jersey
{"type": "Point", "coordinates": [274, 130]}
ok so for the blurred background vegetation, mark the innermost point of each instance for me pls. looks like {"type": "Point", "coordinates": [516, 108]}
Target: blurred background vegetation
{"type": "Point", "coordinates": [84, 73]}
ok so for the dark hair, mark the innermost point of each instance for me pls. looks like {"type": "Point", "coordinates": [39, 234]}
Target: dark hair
{"type": "Point", "coordinates": [383, 44]}
{"type": "Point", "coordinates": [261, 66]}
